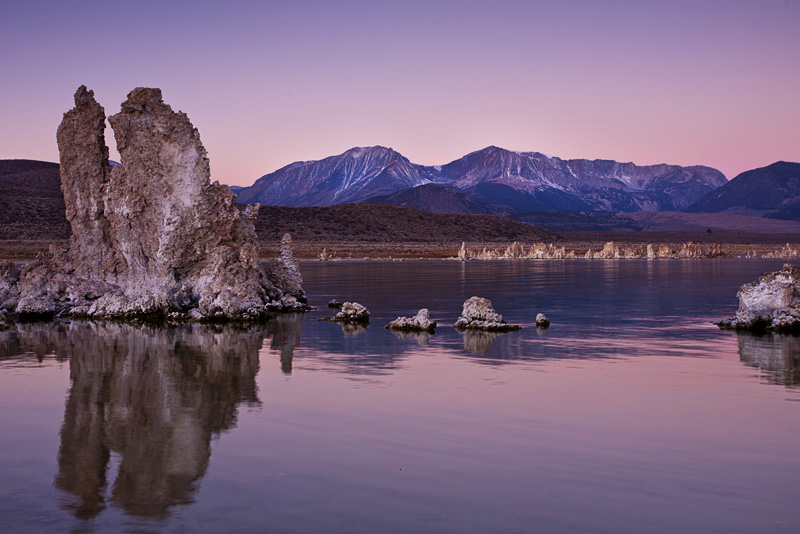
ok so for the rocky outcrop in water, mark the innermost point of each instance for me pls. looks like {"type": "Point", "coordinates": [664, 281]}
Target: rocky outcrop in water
{"type": "Point", "coordinates": [284, 272]}
{"type": "Point", "coordinates": [478, 314]}
{"type": "Point", "coordinates": [421, 322]}
{"type": "Point", "coordinates": [771, 302]}
{"type": "Point", "coordinates": [352, 312]}
{"type": "Point", "coordinates": [153, 236]}
{"type": "Point", "coordinates": [542, 321]}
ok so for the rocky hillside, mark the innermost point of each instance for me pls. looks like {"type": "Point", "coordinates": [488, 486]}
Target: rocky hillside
{"type": "Point", "coordinates": [772, 191]}
{"type": "Point", "coordinates": [522, 181]}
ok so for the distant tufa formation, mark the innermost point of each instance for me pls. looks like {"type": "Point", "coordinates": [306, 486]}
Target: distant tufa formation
{"type": "Point", "coordinates": [610, 251]}
{"type": "Point", "coordinates": [786, 252]}
{"type": "Point", "coordinates": [152, 237]}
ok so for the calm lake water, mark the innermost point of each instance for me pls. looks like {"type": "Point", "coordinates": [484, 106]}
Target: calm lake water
{"type": "Point", "coordinates": [631, 413]}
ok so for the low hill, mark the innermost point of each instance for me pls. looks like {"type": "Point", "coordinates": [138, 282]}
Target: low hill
{"type": "Point", "coordinates": [31, 202]}
{"type": "Point", "coordinates": [382, 223]}
{"type": "Point", "coordinates": [772, 191]}
{"type": "Point", "coordinates": [438, 199]}
{"type": "Point", "coordinates": [670, 221]}
{"type": "Point", "coordinates": [581, 221]}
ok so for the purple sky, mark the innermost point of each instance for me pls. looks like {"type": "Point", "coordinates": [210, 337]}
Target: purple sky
{"type": "Point", "coordinates": [267, 83]}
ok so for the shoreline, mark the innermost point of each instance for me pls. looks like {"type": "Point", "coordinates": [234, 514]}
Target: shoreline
{"type": "Point", "coordinates": [748, 247]}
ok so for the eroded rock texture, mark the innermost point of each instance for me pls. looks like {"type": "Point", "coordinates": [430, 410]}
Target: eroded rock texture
{"type": "Point", "coordinates": [772, 302]}
{"type": "Point", "coordinates": [421, 322]}
{"type": "Point", "coordinates": [153, 236]}
{"type": "Point", "coordinates": [352, 312]}
{"type": "Point", "coordinates": [478, 314]}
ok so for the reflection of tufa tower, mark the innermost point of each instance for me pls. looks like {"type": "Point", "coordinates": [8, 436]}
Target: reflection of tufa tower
{"type": "Point", "coordinates": [155, 397]}
{"type": "Point", "coordinates": [776, 355]}
{"type": "Point", "coordinates": [285, 330]}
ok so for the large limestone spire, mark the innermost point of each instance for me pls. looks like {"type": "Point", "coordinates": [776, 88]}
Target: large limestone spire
{"type": "Point", "coordinates": [153, 235]}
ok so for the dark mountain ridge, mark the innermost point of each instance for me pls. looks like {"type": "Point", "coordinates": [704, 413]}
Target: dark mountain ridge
{"type": "Point", "coordinates": [772, 191]}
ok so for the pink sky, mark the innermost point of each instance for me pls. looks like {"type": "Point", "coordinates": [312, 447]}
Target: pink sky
{"type": "Point", "coordinates": [268, 83]}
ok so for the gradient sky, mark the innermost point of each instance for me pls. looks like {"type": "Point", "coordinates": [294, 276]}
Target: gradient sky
{"type": "Point", "coordinates": [268, 83]}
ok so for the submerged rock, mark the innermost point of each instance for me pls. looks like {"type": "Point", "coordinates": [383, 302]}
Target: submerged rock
{"type": "Point", "coordinates": [153, 236]}
{"type": "Point", "coordinates": [478, 314]}
{"type": "Point", "coordinates": [771, 302]}
{"type": "Point", "coordinates": [421, 322]}
{"type": "Point", "coordinates": [542, 321]}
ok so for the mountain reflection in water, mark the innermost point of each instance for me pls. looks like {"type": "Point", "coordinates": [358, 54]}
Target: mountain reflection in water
{"type": "Point", "coordinates": [153, 396]}
{"type": "Point", "coordinates": [776, 355]}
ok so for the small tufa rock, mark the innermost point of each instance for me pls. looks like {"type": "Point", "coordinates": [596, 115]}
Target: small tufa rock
{"type": "Point", "coordinates": [419, 323]}
{"type": "Point", "coordinates": [542, 321]}
{"type": "Point", "coordinates": [478, 314]}
{"type": "Point", "coordinates": [772, 302]}
{"type": "Point", "coordinates": [335, 304]}
{"type": "Point", "coordinates": [352, 312]}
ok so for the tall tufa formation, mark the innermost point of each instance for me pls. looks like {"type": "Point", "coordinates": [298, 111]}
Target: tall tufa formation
{"type": "Point", "coordinates": [85, 173]}
{"type": "Point", "coordinates": [153, 236]}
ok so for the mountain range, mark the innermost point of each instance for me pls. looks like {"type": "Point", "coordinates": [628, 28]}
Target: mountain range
{"type": "Point", "coordinates": [493, 180]}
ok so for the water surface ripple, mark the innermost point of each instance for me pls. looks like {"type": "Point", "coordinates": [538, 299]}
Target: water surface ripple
{"type": "Point", "coordinates": [631, 413]}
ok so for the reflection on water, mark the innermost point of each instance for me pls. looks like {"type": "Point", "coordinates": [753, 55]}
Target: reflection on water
{"type": "Point", "coordinates": [777, 355]}
{"type": "Point", "coordinates": [478, 342]}
{"type": "Point", "coordinates": [285, 331]}
{"type": "Point", "coordinates": [353, 329]}
{"type": "Point", "coordinates": [422, 338]}
{"type": "Point", "coordinates": [610, 420]}
{"type": "Point", "coordinates": [150, 397]}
